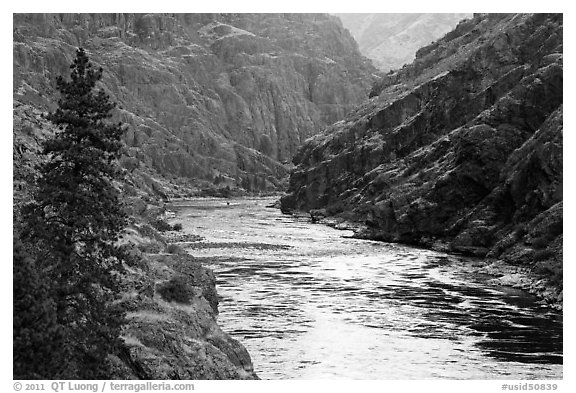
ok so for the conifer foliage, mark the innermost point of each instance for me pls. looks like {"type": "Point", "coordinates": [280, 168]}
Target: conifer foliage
{"type": "Point", "coordinates": [76, 218]}
{"type": "Point", "coordinates": [39, 346]}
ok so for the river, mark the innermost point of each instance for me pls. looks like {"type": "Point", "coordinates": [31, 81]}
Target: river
{"type": "Point", "coordinates": [310, 302]}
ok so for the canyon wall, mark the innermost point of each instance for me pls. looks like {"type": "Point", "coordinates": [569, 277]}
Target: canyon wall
{"type": "Point", "coordinates": [460, 150]}
{"type": "Point", "coordinates": [226, 98]}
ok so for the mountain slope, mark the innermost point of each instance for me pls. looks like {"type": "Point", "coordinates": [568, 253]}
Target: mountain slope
{"type": "Point", "coordinates": [391, 40]}
{"type": "Point", "coordinates": [206, 96]}
{"type": "Point", "coordinates": [211, 98]}
{"type": "Point", "coordinates": [461, 150]}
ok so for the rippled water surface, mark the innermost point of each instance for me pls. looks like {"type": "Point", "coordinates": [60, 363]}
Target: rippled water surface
{"type": "Point", "coordinates": [308, 302]}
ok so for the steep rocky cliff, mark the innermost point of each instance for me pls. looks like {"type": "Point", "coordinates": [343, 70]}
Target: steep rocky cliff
{"type": "Point", "coordinates": [391, 40]}
{"type": "Point", "coordinates": [172, 307]}
{"type": "Point", "coordinates": [461, 150]}
{"type": "Point", "coordinates": [220, 97]}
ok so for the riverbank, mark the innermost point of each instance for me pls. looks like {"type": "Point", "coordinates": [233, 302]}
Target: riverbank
{"type": "Point", "coordinates": [172, 307]}
{"type": "Point", "coordinates": [505, 274]}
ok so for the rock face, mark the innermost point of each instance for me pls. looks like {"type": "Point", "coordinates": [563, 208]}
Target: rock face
{"type": "Point", "coordinates": [460, 150]}
{"type": "Point", "coordinates": [391, 40]}
{"type": "Point", "coordinates": [172, 305]}
{"type": "Point", "coordinates": [225, 97]}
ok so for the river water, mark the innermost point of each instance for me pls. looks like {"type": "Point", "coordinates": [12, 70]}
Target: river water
{"type": "Point", "coordinates": [309, 302]}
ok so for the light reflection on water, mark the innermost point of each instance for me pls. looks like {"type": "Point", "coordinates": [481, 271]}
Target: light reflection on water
{"type": "Point", "coordinates": [309, 303]}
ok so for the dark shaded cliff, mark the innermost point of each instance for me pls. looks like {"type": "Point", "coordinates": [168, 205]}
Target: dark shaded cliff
{"type": "Point", "coordinates": [461, 150]}
{"type": "Point", "coordinates": [227, 98]}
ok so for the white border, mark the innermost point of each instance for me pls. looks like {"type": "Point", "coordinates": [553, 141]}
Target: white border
{"type": "Point", "coordinates": [296, 6]}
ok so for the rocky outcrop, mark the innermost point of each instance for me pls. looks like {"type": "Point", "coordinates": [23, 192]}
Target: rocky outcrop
{"type": "Point", "coordinates": [218, 97]}
{"type": "Point", "coordinates": [461, 150]}
{"type": "Point", "coordinates": [391, 40]}
{"type": "Point", "coordinates": [172, 307]}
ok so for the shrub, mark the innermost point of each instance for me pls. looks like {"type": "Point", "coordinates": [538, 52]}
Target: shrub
{"type": "Point", "coordinates": [177, 227]}
{"type": "Point", "coordinates": [335, 209]}
{"type": "Point", "coordinates": [541, 255]}
{"type": "Point", "coordinates": [520, 231]}
{"type": "Point", "coordinates": [540, 242]}
{"type": "Point", "coordinates": [150, 247]}
{"type": "Point", "coordinates": [148, 231]}
{"type": "Point", "coordinates": [161, 225]}
{"type": "Point", "coordinates": [176, 290]}
{"type": "Point", "coordinates": [553, 270]}
{"type": "Point", "coordinates": [175, 249]}
{"type": "Point", "coordinates": [133, 256]}
{"type": "Point", "coordinates": [555, 229]}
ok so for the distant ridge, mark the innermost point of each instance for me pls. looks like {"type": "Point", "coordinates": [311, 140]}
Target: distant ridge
{"type": "Point", "coordinates": [391, 40]}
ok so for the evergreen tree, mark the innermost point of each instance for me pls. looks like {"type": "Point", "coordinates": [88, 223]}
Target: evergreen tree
{"type": "Point", "coordinates": [40, 351]}
{"type": "Point", "coordinates": [76, 217]}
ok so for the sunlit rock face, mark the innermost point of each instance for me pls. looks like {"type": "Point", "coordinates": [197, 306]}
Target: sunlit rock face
{"type": "Point", "coordinates": [462, 146]}
{"type": "Point", "coordinates": [391, 40]}
{"type": "Point", "coordinates": [227, 96]}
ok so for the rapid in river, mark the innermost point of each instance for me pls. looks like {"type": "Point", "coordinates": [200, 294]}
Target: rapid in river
{"type": "Point", "coordinates": [310, 302]}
